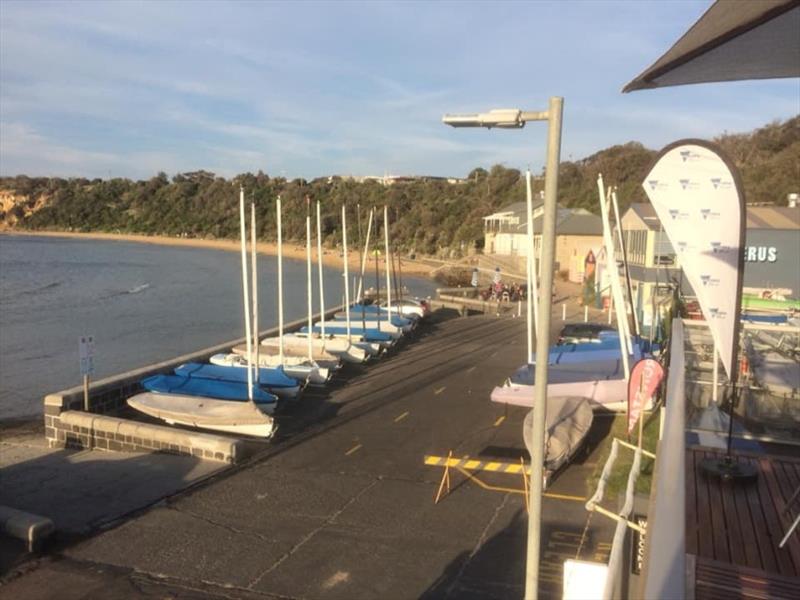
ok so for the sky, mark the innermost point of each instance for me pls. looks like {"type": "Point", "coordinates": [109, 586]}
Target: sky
{"type": "Point", "coordinates": [308, 89]}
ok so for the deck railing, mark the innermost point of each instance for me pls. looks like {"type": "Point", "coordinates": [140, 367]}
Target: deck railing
{"type": "Point", "coordinates": [664, 574]}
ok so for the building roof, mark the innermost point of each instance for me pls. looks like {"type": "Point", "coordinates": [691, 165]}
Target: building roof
{"type": "Point", "coordinates": [647, 215]}
{"type": "Point", "coordinates": [758, 217]}
{"type": "Point", "coordinates": [569, 221]}
{"type": "Point", "coordinates": [773, 217]}
{"type": "Point", "coordinates": [517, 209]}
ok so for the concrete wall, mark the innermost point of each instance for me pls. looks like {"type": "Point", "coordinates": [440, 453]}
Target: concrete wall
{"type": "Point", "coordinates": [104, 431]}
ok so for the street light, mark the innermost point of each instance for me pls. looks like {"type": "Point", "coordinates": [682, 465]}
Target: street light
{"type": "Point", "coordinates": [515, 119]}
{"type": "Point", "coordinates": [505, 118]}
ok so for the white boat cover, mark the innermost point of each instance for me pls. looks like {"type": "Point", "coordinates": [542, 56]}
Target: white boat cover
{"type": "Point", "coordinates": [205, 413]}
{"type": "Point", "coordinates": [271, 347]}
{"type": "Point", "coordinates": [268, 359]}
{"type": "Point", "coordinates": [567, 422]}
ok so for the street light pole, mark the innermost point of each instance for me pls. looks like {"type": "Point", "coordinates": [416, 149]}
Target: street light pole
{"type": "Point", "coordinates": [555, 111]}
{"type": "Point", "coordinates": [513, 119]}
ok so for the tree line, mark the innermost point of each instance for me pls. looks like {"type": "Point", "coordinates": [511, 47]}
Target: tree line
{"type": "Point", "coordinates": [428, 216]}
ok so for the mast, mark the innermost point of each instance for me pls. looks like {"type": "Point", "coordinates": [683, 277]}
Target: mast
{"type": "Point", "coordinates": [280, 281]}
{"type": "Point", "coordinates": [616, 290]}
{"type": "Point", "coordinates": [364, 258]}
{"type": "Point", "coordinates": [386, 263]}
{"type": "Point", "coordinates": [308, 278]}
{"type": "Point", "coordinates": [377, 277]}
{"type": "Point", "coordinates": [321, 285]}
{"type": "Point", "coordinates": [361, 261]}
{"type": "Point", "coordinates": [254, 261]}
{"type": "Point", "coordinates": [533, 295]}
{"type": "Point", "coordinates": [248, 339]}
{"type": "Point", "coordinates": [346, 273]}
{"type": "Point", "coordinates": [624, 249]}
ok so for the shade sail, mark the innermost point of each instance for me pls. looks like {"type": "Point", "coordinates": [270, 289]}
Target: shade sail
{"type": "Point", "coordinates": [733, 40]}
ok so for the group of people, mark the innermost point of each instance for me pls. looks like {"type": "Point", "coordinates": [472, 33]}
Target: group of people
{"type": "Point", "coordinates": [499, 291]}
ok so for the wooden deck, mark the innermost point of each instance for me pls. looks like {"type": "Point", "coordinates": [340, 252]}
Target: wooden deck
{"type": "Point", "coordinates": [741, 525]}
{"type": "Point", "coordinates": [722, 581]}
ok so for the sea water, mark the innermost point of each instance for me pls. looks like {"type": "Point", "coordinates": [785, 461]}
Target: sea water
{"type": "Point", "coordinates": [143, 303]}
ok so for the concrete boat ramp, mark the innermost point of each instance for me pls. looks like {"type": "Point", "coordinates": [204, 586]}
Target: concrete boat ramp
{"type": "Point", "coordinates": [340, 505]}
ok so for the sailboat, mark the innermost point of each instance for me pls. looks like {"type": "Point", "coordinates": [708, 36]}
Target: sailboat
{"type": "Point", "coordinates": [298, 367]}
{"type": "Point", "coordinates": [236, 407]}
{"type": "Point", "coordinates": [275, 381]}
{"type": "Point", "coordinates": [598, 374]}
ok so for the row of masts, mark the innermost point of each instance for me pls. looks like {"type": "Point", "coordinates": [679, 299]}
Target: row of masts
{"type": "Point", "coordinates": [250, 275]}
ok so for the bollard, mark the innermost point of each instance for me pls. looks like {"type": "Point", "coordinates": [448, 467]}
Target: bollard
{"type": "Point", "coordinates": [564, 311]}
{"type": "Point", "coordinates": [610, 311]}
{"type": "Point", "coordinates": [585, 314]}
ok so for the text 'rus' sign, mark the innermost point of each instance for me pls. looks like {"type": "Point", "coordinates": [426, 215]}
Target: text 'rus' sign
{"type": "Point", "coordinates": [86, 353]}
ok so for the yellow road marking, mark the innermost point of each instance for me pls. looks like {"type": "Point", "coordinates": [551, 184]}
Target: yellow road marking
{"type": "Point", "coordinates": [440, 390]}
{"type": "Point", "coordinates": [401, 417]}
{"type": "Point", "coordinates": [564, 497]}
{"type": "Point", "coordinates": [499, 420]}
{"type": "Point", "coordinates": [353, 449]}
{"type": "Point", "coordinates": [471, 369]}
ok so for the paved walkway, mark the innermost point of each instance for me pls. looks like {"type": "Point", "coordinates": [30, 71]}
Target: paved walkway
{"type": "Point", "coordinates": [342, 505]}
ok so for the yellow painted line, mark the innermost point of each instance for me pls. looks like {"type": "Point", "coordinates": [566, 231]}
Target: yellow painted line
{"type": "Point", "coordinates": [353, 449]}
{"type": "Point", "coordinates": [401, 417]}
{"type": "Point", "coordinates": [564, 497]}
{"type": "Point", "coordinates": [440, 390]}
{"type": "Point", "coordinates": [471, 369]}
{"type": "Point", "coordinates": [471, 464]}
{"type": "Point", "coordinates": [492, 466]}
{"type": "Point", "coordinates": [499, 420]}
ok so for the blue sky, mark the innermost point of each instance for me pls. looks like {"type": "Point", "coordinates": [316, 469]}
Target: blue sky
{"type": "Point", "coordinates": [305, 89]}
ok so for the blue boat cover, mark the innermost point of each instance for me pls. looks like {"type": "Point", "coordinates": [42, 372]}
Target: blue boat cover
{"type": "Point", "coordinates": [270, 378]}
{"type": "Point", "coordinates": [194, 386]}
{"type": "Point", "coordinates": [369, 334]}
{"type": "Point", "coordinates": [372, 312]}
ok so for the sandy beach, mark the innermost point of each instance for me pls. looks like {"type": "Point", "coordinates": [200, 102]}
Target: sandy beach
{"type": "Point", "coordinates": [330, 258]}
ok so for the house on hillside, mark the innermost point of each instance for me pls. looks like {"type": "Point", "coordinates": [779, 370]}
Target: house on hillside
{"type": "Point", "coordinates": [577, 232]}
{"type": "Point", "coordinates": [771, 255]}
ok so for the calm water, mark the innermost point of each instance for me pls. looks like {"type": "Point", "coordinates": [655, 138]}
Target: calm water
{"type": "Point", "coordinates": [143, 303]}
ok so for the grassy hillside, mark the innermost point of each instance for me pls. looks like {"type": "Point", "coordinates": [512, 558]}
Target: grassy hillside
{"type": "Point", "coordinates": [428, 216]}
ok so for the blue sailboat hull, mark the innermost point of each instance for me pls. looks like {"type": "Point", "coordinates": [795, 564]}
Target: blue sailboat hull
{"type": "Point", "coordinates": [369, 334]}
{"type": "Point", "coordinates": [373, 312]}
{"type": "Point", "coordinates": [194, 386]}
{"type": "Point", "coordinates": [270, 378]}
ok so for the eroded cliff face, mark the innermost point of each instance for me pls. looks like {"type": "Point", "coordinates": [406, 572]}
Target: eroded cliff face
{"type": "Point", "coordinates": [15, 207]}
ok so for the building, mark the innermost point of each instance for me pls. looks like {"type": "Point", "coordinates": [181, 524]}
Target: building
{"type": "Point", "coordinates": [577, 232]}
{"type": "Point", "coordinates": [771, 255]}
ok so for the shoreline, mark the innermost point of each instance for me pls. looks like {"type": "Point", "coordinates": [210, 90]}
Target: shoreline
{"type": "Point", "coordinates": [330, 258]}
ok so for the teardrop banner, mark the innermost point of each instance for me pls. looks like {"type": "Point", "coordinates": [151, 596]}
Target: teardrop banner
{"type": "Point", "coordinates": [646, 376]}
{"type": "Point", "coordinates": [697, 193]}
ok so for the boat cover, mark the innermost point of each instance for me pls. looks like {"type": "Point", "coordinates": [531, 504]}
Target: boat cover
{"type": "Point", "coordinates": [270, 378]}
{"type": "Point", "coordinates": [209, 388]}
{"type": "Point", "coordinates": [369, 334]}
{"type": "Point", "coordinates": [567, 422]}
{"type": "Point", "coordinates": [206, 413]}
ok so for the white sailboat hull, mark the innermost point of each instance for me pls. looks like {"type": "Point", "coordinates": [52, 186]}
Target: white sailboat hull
{"type": "Point", "coordinates": [308, 372]}
{"type": "Point", "coordinates": [292, 355]}
{"type": "Point", "coordinates": [339, 348]}
{"type": "Point", "coordinates": [243, 418]}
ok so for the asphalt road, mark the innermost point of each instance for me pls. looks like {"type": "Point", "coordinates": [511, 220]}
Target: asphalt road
{"type": "Point", "coordinates": [341, 504]}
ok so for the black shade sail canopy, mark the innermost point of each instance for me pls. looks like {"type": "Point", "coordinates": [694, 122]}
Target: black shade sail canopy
{"type": "Point", "coordinates": [733, 40]}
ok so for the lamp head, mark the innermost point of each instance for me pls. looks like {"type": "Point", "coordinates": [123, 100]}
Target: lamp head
{"type": "Point", "coordinates": [505, 118]}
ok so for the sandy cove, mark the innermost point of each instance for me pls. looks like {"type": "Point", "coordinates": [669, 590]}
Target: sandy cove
{"type": "Point", "coordinates": [330, 258]}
